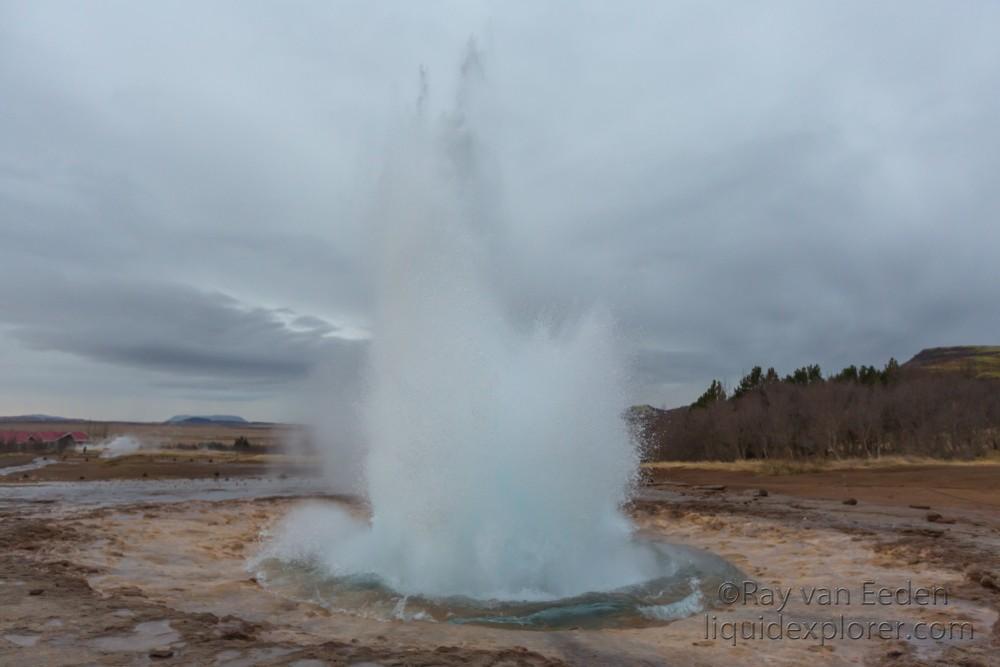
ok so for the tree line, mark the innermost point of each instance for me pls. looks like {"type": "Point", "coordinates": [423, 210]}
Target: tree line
{"type": "Point", "coordinates": [859, 412]}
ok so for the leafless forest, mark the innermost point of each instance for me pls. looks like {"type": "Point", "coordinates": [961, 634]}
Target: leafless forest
{"type": "Point", "coordinates": [863, 413]}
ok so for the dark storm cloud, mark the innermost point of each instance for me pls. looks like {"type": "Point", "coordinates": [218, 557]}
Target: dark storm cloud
{"type": "Point", "coordinates": [185, 188]}
{"type": "Point", "coordinates": [171, 329]}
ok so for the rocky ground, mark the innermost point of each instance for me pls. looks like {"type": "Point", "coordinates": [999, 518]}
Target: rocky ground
{"type": "Point", "coordinates": [166, 583]}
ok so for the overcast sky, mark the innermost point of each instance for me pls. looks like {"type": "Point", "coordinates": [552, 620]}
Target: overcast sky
{"type": "Point", "coordinates": [183, 185]}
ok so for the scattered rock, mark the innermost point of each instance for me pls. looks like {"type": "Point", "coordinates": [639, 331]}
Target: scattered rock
{"type": "Point", "coordinates": [130, 591]}
{"type": "Point", "coordinates": [933, 517]}
{"type": "Point", "coordinates": [760, 493]}
{"type": "Point", "coordinates": [920, 507]}
{"type": "Point", "coordinates": [36, 591]}
{"type": "Point", "coordinates": [851, 501]}
{"type": "Point", "coordinates": [235, 629]}
{"type": "Point", "coordinates": [163, 652]}
{"type": "Point", "coordinates": [923, 532]}
{"type": "Point", "coordinates": [710, 487]}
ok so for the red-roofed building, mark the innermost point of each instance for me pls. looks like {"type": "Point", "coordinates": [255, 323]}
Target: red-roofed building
{"type": "Point", "coordinates": [21, 441]}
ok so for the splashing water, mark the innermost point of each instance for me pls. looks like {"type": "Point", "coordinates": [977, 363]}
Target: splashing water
{"type": "Point", "coordinates": [122, 445]}
{"type": "Point", "coordinates": [498, 456]}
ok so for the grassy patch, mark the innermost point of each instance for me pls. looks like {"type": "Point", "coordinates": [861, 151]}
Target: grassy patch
{"type": "Point", "coordinates": [777, 467]}
{"type": "Point", "coordinates": [202, 456]}
{"type": "Point", "coordinates": [979, 361]}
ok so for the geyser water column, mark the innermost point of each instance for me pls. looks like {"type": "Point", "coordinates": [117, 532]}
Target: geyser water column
{"type": "Point", "coordinates": [498, 457]}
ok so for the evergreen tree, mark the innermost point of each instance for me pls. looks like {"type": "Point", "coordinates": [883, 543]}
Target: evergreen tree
{"type": "Point", "coordinates": [715, 393]}
{"type": "Point", "coordinates": [891, 371]}
{"type": "Point", "coordinates": [752, 380]}
{"type": "Point", "coordinates": [849, 374]}
{"type": "Point", "coordinates": [869, 375]}
{"type": "Point", "coordinates": [805, 375]}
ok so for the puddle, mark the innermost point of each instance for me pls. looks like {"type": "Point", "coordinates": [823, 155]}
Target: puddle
{"type": "Point", "coordinates": [24, 641]}
{"type": "Point", "coordinates": [145, 637]}
{"type": "Point", "coordinates": [126, 492]}
{"type": "Point", "coordinates": [27, 467]}
{"type": "Point", "coordinates": [250, 658]}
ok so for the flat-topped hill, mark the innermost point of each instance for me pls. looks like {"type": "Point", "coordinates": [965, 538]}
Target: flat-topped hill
{"type": "Point", "coordinates": [975, 360]}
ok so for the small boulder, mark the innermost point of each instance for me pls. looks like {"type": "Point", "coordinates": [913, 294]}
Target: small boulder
{"type": "Point", "coordinates": [851, 501]}
{"type": "Point", "coordinates": [162, 652]}
{"type": "Point", "coordinates": [760, 493]}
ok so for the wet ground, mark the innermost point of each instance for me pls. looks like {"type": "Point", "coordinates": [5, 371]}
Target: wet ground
{"type": "Point", "coordinates": [154, 571]}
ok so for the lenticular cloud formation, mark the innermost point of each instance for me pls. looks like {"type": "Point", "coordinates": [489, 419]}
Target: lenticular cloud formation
{"type": "Point", "coordinates": [498, 459]}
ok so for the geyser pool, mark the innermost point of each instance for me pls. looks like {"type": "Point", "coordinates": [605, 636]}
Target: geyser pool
{"type": "Point", "coordinates": [297, 564]}
{"type": "Point", "coordinates": [498, 459]}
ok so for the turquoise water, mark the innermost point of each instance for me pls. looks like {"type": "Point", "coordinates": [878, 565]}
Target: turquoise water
{"type": "Point", "coordinates": [691, 578]}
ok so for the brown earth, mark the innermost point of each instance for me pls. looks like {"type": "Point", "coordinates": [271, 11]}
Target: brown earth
{"type": "Point", "coordinates": [167, 583]}
{"type": "Point", "coordinates": [166, 435]}
{"type": "Point", "coordinates": [77, 466]}
{"type": "Point", "coordinates": [974, 486]}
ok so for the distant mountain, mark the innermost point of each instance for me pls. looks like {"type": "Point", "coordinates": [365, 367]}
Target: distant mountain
{"type": "Point", "coordinates": [35, 418]}
{"type": "Point", "coordinates": [975, 360]}
{"type": "Point", "coordinates": [206, 419]}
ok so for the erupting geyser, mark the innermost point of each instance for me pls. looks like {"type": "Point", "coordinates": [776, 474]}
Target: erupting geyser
{"type": "Point", "coordinates": [498, 458]}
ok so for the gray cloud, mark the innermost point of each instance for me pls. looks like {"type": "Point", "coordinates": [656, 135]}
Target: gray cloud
{"type": "Point", "coordinates": [171, 329]}
{"type": "Point", "coordinates": [185, 190]}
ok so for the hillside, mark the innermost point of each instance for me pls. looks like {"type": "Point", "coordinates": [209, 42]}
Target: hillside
{"type": "Point", "coordinates": [974, 360]}
{"type": "Point", "coordinates": [206, 419]}
{"type": "Point", "coordinates": [35, 418]}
